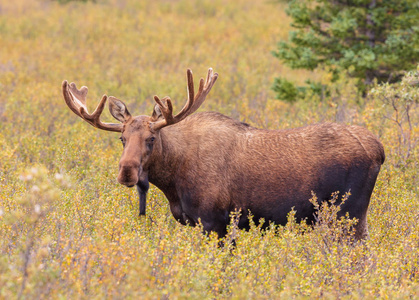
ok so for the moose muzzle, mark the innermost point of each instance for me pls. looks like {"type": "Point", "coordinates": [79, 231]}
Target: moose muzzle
{"type": "Point", "coordinates": [128, 173]}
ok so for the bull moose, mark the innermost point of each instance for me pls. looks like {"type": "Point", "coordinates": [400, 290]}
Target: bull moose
{"type": "Point", "coordinates": [208, 164]}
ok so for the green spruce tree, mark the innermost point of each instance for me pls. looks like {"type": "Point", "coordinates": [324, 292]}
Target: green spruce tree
{"type": "Point", "coordinates": [363, 39]}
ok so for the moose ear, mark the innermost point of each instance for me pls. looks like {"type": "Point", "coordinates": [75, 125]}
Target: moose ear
{"type": "Point", "coordinates": [157, 114]}
{"type": "Point", "coordinates": [119, 110]}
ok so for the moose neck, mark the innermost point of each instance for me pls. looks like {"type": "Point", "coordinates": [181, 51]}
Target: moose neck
{"type": "Point", "coordinates": [167, 155]}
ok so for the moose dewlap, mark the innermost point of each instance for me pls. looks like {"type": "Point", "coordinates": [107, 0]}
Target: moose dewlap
{"type": "Point", "coordinates": [209, 165]}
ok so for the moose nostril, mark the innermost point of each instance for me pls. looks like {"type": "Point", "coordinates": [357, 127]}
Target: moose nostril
{"type": "Point", "coordinates": [128, 174]}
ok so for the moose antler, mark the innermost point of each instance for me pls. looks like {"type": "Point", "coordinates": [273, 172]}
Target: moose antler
{"type": "Point", "coordinates": [192, 104]}
{"type": "Point", "coordinates": [76, 101]}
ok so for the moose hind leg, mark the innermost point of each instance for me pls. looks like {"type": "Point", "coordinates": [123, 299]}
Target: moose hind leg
{"type": "Point", "coordinates": [358, 202]}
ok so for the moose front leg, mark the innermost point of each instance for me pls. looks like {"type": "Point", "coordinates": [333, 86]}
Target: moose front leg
{"type": "Point", "coordinates": [142, 188]}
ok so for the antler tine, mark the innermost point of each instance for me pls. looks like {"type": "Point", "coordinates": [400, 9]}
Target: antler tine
{"type": "Point", "coordinates": [94, 117]}
{"type": "Point", "coordinates": [74, 106]}
{"type": "Point", "coordinates": [76, 101]}
{"type": "Point", "coordinates": [191, 98]}
{"type": "Point", "coordinates": [191, 91]}
{"type": "Point", "coordinates": [204, 89]}
{"type": "Point", "coordinates": [209, 76]}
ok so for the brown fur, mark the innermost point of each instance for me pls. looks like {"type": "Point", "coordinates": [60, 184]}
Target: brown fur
{"type": "Point", "coordinates": [209, 165]}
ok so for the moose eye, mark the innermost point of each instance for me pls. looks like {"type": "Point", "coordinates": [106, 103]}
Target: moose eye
{"type": "Point", "coordinates": [122, 140]}
{"type": "Point", "coordinates": [150, 142]}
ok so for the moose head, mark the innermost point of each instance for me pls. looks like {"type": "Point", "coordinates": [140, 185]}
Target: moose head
{"type": "Point", "coordinates": [139, 134]}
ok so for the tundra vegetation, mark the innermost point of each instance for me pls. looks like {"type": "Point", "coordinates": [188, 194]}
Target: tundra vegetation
{"type": "Point", "coordinates": [69, 230]}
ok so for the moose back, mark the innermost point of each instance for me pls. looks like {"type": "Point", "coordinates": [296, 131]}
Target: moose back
{"type": "Point", "coordinates": [209, 165]}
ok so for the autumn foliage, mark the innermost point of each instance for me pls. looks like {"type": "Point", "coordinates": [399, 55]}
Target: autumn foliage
{"type": "Point", "coordinates": [69, 230]}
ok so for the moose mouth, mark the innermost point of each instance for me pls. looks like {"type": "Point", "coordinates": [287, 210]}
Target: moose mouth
{"type": "Point", "coordinates": [131, 177]}
{"type": "Point", "coordinates": [128, 176]}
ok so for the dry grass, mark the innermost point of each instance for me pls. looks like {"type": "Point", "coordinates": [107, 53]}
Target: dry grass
{"type": "Point", "coordinates": [68, 230]}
